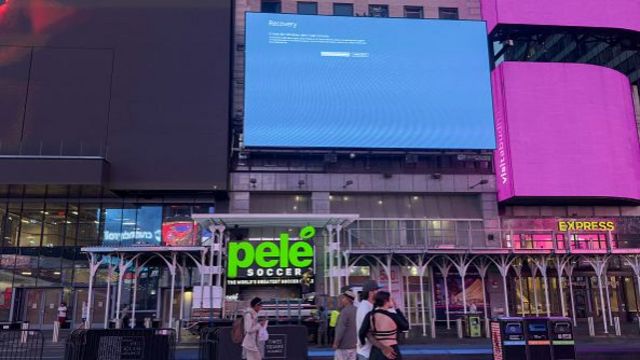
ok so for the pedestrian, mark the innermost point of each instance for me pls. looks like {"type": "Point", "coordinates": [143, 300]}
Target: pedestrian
{"type": "Point", "coordinates": [323, 323]}
{"type": "Point", "coordinates": [383, 325]}
{"type": "Point", "coordinates": [345, 343]}
{"type": "Point", "coordinates": [369, 290]}
{"type": "Point", "coordinates": [62, 314]}
{"type": "Point", "coordinates": [252, 326]}
{"type": "Point", "coordinates": [85, 315]}
{"type": "Point", "coordinates": [125, 314]}
{"type": "Point", "coordinates": [333, 321]}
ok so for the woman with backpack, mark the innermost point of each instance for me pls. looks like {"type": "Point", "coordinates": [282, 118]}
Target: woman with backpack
{"type": "Point", "coordinates": [382, 326]}
{"type": "Point", "coordinates": [252, 326]}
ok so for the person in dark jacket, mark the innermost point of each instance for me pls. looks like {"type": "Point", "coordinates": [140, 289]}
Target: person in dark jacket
{"type": "Point", "coordinates": [382, 327]}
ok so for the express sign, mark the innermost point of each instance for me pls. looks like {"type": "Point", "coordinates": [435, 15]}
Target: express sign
{"type": "Point", "coordinates": [579, 225]}
{"type": "Point", "coordinates": [283, 258]}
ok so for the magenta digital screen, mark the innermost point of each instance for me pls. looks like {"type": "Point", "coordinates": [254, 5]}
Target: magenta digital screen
{"type": "Point", "coordinates": [564, 130]}
{"type": "Point", "coordinates": [617, 14]}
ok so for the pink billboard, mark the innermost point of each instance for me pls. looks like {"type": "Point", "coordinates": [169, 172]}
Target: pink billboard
{"type": "Point", "coordinates": [564, 130]}
{"type": "Point", "coordinates": [618, 14]}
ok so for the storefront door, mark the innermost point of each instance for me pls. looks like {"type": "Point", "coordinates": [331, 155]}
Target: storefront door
{"type": "Point", "coordinates": [39, 307]}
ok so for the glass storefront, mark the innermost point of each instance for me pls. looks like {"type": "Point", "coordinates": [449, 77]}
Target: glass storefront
{"type": "Point", "coordinates": [40, 241]}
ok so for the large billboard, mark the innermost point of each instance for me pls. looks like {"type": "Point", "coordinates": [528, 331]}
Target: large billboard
{"type": "Point", "coordinates": [357, 82]}
{"type": "Point", "coordinates": [565, 131]}
{"type": "Point", "coordinates": [618, 14]}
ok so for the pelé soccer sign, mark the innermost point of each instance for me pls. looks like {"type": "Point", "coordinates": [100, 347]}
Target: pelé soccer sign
{"type": "Point", "coordinates": [285, 258]}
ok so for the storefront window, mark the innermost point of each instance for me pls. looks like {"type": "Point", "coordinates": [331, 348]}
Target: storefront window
{"type": "Point", "coordinates": [31, 228]}
{"type": "Point", "coordinates": [13, 223]}
{"type": "Point", "coordinates": [49, 274]}
{"type": "Point", "coordinates": [132, 226]}
{"type": "Point", "coordinates": [89, 224]}
{"type": "Point", "coordinates": [6, 289]}
{"type": "Point", "coordinates": [71, 225]}
{"type": "Point", "coordinates": [54, 224]}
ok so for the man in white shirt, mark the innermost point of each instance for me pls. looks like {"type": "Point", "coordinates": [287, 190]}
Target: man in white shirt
{"type": "Point", "coordinates": [62, 314]}
{"type": "Point", "coordinates": [369, 290]}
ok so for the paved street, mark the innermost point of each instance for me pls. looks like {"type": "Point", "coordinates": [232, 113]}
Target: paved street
{"type": "Point", "coordinates": [625, 348]}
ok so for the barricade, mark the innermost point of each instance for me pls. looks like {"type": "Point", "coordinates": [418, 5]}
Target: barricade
{"type": "Point", "coordinates": [117, 344]}
{"type": "Point", "coordinates": [209, 343]}
{"type": "Point", "coordinates": [21, 344]}
{"type": "Point", "coordinates": [285, 342]}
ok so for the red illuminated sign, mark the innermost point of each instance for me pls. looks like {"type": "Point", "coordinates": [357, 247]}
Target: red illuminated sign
{"type": "Point", "coordinates": [179, 233]}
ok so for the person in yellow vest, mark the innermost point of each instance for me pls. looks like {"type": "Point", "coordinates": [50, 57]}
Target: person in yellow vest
{"type": "Point", "coordinates": [333, 321]}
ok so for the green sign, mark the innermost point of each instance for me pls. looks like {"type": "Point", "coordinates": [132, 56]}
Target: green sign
{"type": "Point", "coordinates": [283, 258]}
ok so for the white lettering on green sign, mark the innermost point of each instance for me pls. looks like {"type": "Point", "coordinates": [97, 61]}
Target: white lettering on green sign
{"type": "Point", "coordinates": [269, 255]}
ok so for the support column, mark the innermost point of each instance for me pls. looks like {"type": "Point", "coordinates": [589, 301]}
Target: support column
{"type": "Point", "coordinates": [387, 269]}
{"type": "Point", "coordinates": [93, 268]}
{"type": "Point", "coordinates": [561, 263]}
{"type": "Point", "coordinates": [347, 269]}
{"type": "Point", "coordinates": [331, 245]}
{"type": "Point", "coordinates": [517, 268]}
{"type": "Point", "coordinates": [542, 263]}
{"type": "Point", "coordinates": [461, 262]}
{"type": "Point", "coordinates": [203, 255]}
{"type": "Point", "coordinates": [122, 270]}
{"type": "Point", "coordinates": [633, 261]}
{"type": "Point", "coordinates": [483, 266]}
{"type": "Point", "coordinates": [599, 263]}
{"type": "Point", "coordinates": [423, 265]}
{"type": "Point", "coordinates": [108, 298]}
{"type": "Point", "coordinates": [136, 272]}
{"type": "Point", "coordinates": [172, 270]}
{"type": "Point", "coordinates": [503, 262]}
{"type": "Point", "coordinates": [569, 271]}
{"type": "Point", "coordinates": [608, 295]}
{"type": "Point", "coordinates": [444, 266]}
{"type": "Point", "coordinates": [534, 283]}
{"type": "Point", "coordinates": [183, 277]}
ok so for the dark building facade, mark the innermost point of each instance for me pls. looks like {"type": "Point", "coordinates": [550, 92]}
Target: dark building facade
{"type": "Point", "coordinates": [114, 128]}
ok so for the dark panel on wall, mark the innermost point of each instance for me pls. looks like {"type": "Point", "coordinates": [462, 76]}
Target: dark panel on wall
{"type": "Point", "coordinates": [68, 102]}
{"type": "Point", "coordinates": [161, 66]}
{"type": "Point", "coordinates": [13, 89]}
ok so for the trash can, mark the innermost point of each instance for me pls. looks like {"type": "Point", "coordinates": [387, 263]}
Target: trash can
{"type": "Point", "coordinates": [472, 326]}
{"type": "Point", "coordinates": [507, 338]}
{"type": "Point", "coordinates": [563, 345]}
{"type": "Point", "coordinates": [536, 331]}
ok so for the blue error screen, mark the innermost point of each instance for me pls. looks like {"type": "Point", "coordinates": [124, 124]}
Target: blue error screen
{"type": "Point", "coordinates": [358, 82]}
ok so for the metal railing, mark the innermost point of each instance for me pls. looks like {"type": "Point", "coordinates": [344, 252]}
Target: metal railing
{"type": "Point", "coordinates": [469, 235]}
{"type": "Point", "coordinates": [21, 344]}
{"type": "Point", "coordinates": [463, 235]}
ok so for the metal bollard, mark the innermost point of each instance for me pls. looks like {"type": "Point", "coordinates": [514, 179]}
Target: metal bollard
{"type": "Point", "coordinates": [459, 327]}
{"type": "Point", "coordinates": [487, 328]}
{"type": "Point", "coordinates": [592, 329]}
{"type": "Point", "coordinates": [147, 323]}
{"type": "Point", "coordinates": [56, 331]}
{"type": "Point", "coordinates": [24, 334]}
{"type": "Point", "coordinates": [616, 324]}
{"type": "Point", "coordinates": [432, 327]}
{"type": "Point", "coordinates": [177, 326]}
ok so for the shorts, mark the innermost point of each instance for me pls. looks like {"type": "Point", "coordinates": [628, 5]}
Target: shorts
{"type": "Point", "coordinates": [345, 354]}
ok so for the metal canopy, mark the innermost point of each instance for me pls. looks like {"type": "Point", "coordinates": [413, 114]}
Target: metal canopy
{"type": "Point", "coordinates": [286, 220]}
